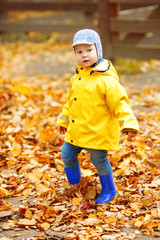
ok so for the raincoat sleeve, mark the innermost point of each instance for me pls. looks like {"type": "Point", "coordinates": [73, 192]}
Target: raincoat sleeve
{"type": "Point", "coordinates": [119, 104]}
{"type": "Point", "coordinates": [63, 118]}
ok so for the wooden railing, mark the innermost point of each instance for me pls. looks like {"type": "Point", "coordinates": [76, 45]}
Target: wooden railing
{"type": "Point", "coordinates": [135, 30]}
{"type": "Point", "coordinates": [121, 37]}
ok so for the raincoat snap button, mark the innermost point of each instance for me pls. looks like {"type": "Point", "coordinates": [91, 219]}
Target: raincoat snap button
{"type": "Point", "coordinates": [75, 99]}
{"type": "Point", "coordinates": [72, 120]}
{"type": "Point", "coordinates": [71, 141]}
{"type": "Point", "coordinates": [81, 68]}
{"type": "Point", "coordinates": [80, 78]}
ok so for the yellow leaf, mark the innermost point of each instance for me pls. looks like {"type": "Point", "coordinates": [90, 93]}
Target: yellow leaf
{"type": "Point", "coordinates": [138, 224]}
{"type": "Point", "coordinates": [47, 134]}
{"type": "Point", "coordinates": [111, 219]}
{"type": "Point", "coordinates": [5, 206]}
{"type": "Point", "coordinates": [11, 163]}
{"type": "Point", "coordinates": [76, 201]}
{"type": "Point", "coordinates": [90, 192]}
{"type": "Point", "coordinates": [135, 205]}
{"type": "Point", "coordinates": [28, 214]}
{"type": "Point", "coordinates": [42, 189]}
{"type": "Point", "coordinates": [27, 192]}
{"type": "Point", "coordinates": [4, 192]}
{"type": "Point", "coordinates": [148, 201]}
{"type": "Point", "coordinates": [87, 172]}
{"type": "Point", "coordinates": [30, 123]}
{"type": "Point", "coordinates": [92, 215]}
{"type": "Point", "coordinates": [141, 153]}
{"type": "Point", "coordinates": [23, 88]}
{"type": "Point", "coordinates": [45, 226]}
{"type": "Point", "coordinates": [59, 165]}
{"type": "Point", "coordinates": [46, 176]}
{"type": "Point", "coordinates": [16, 149]}
{"type": "Point", "coordinates": [124, 168]}
{"type": "Point", "coordinates": [35, 176]}
{"type": "Point", "coordinates": [154, 171]}
{"type": "Point", "coordinates": [51, 120]}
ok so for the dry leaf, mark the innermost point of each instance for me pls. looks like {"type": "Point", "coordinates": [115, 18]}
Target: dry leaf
{"type": "Point", "coordinates": [23, 88]}
{"type": "Point", "coordinates": [16, 149]}
{"type": "Point", "coordinates": [35, 176]}
{"type": "Point", "coordinates": [90, 192]}
{"type": "Point", "coordinates": [42, 189]}
{"type": "Point", "coordinates": [27, 222]}
{"type": "Point", "coordinates": [76, 201]}
{"type": "Point", "coordinates": [90, 221]}
{"type": "Point", "coordinates": [45, 226]}
{"type": "Point", "coordinates": [4, 192]}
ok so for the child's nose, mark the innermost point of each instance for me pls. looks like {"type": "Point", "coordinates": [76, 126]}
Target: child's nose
{"type": "Point", "coordinates": [84, 54]}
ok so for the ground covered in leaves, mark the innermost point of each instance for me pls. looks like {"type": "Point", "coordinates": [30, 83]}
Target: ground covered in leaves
{"type": "Point", "coordinates": [35, 195]}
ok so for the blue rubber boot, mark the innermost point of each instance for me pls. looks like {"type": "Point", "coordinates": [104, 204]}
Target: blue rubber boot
{"type": "Point", "coordinates": [108, 189]}
{"type": "Point", "coordinates": [73, 175]}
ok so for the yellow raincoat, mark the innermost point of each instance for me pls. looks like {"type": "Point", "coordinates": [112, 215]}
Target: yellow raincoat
{"type": "Point", "coordinates": [97, 104]}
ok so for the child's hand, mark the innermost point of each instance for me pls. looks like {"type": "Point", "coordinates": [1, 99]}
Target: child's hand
{"type": "Point", "coordinates": [62, 130]}
{"type": "Point", "coordinates": [130, 134]}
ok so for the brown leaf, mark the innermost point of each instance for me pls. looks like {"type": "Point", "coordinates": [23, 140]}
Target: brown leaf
{"type": "Point", "coordinates": [28, 214]}
{"type": "Point", "coordinates": [4, 192]}
{"type": "Point", "coordinates": [42, 189]}
{"type": "Point", "coordinates": [76, 201]}
{"type": "Point", "coordinates": [4, 214]}
{"type": "Point", "coordinates": [148, 201]}
{"type": "Point", "coordinates": [90, 192]}
{"type": "Point", "coordinates": [44, 226]}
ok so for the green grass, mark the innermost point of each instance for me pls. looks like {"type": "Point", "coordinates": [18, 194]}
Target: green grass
{"type": "Point", "coordinates": [127, 66]}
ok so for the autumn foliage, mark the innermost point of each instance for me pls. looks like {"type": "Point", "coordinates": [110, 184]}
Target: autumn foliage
{"type": "Point", "coordinates": [31, 169]}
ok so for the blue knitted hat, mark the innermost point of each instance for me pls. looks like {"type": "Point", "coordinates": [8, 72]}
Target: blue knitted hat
{"type": "Point", "coordinates": [88, 36]}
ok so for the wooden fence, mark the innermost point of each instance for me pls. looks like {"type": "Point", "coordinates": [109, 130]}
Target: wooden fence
{"type": "Point", "coordinates": [121, 36]}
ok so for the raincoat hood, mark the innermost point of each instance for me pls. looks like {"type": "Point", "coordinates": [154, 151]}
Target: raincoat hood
{"type": "Point", "coordinates": [88, 36]}
{"type": "Point", "coordinates": [105, 67]}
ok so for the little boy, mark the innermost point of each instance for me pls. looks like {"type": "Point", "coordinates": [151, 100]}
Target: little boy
{"type": "Point", "coordinates": [97, 104]}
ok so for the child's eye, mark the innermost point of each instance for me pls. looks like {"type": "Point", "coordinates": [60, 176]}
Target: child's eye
{"type": "Point", "coordinates": [89, 50]}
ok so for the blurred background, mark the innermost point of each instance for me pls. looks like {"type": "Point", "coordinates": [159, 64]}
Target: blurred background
{"type": "Point", "coordinates": [128, 29]}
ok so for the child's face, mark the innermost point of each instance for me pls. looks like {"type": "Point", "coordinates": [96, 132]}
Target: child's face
{"type": "Point", "coordinates": [86, 55]}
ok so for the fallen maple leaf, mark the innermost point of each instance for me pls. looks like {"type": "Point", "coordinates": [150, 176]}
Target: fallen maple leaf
{"type": "Point", "coordinates": [90, 192]}
{"type": "Point", "coordinates": [28, 214]}
{"type": "Point", "coordinates": [76, 201]}
{"type": "Point", "coordinates": [87, 205]}
{"type": "Point", "coordinates": [27, 222]}
{"type": "Point", "coordinates": [42, 189]}
{"type": "Point", "coordinates": [90, 221]}
{"type": "Point", "coordinates": [4, 192]}
{"type": "Point", "coordinates": [87, 172]}
{"type": "Point", "coordinates": [35, 176]}
{"type": "Point", "coordinates": [16, 149]}
{"type": "Point", "coordinates": [23, 88]}
{"type": "Point", "coordinates": [44, 226]}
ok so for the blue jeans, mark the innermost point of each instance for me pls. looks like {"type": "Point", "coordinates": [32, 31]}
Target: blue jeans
{"type": "Point", "coordinates": [99, 158]}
